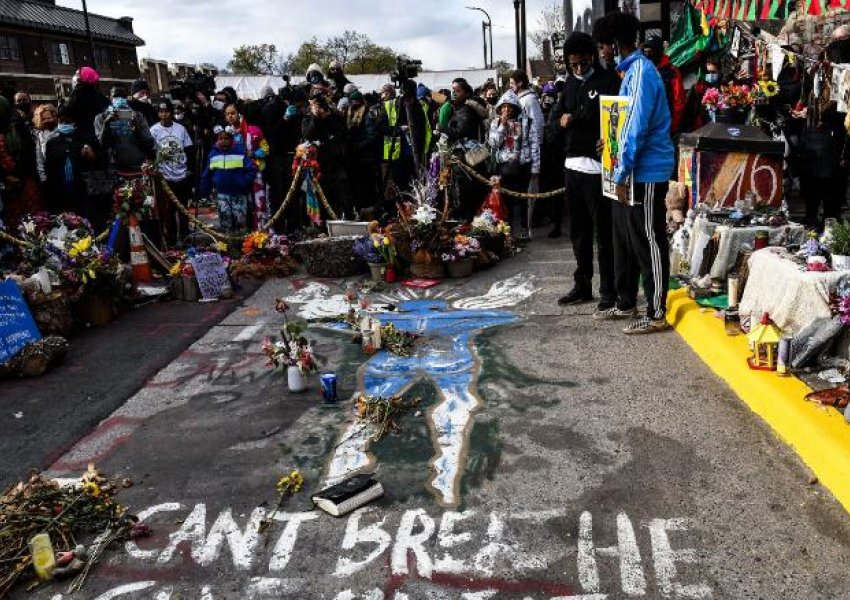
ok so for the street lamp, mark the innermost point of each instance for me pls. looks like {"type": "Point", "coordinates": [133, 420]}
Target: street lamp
{"type": "Point", "coordinates": [484, 27]}
{"type": "Point", "coordinates": [89, 36]}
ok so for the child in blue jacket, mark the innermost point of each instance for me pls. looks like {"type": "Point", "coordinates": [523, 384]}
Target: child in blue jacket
{"type": "Point", "coordinates": [231, 174]}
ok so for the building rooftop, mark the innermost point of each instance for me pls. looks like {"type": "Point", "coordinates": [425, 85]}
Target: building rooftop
{"type": "Point", "coordinates": [45, 16]}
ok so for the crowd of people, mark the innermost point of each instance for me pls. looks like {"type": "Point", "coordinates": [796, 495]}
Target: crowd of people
{"type": "Point", "coordinates": [371, 145]}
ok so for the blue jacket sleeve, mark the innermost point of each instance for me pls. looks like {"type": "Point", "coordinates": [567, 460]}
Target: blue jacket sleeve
{"type": "Point", "coordinates": [635, 130]}
{"type": "Point", "coordinates": [249, 172]}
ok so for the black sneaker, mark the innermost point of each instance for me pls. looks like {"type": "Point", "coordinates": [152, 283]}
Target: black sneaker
{"type": "Point", "coordinates": [575, 296]}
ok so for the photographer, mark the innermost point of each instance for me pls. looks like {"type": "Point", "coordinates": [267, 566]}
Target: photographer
{"type": "Point", "coordinates": [125, 134]}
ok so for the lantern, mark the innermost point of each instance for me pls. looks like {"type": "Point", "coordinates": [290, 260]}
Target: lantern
{"type": "Point", "coordinates": [764, 342]}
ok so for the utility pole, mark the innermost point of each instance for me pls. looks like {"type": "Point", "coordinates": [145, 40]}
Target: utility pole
{"type": "Point", "coordinates": [524, 37]}
{"type": "Point", "coordinates": [519, 63]}
{"type": "Point", "coordinates": [89, 36]}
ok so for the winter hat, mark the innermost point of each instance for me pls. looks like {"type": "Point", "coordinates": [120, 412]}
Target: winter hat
{"type": "Point", "coordinates": [89, 75]}
{"type": "Point", "coordinates": [266, 91]}
{"type": "Point", "coordinates": [334, 65]}
{"type": "Point", "coordinates": [291, 112]}
{"type": "Point", "coordinates": [315, 67]}
{"type": "Point", "coordinates": [349, 88]}
{"type": "Point", "coordinates": [355, 96]}
{"type": "Point", "coordinates": [550, 89]}
{"type": "Point", "coordinates": [511, 98]}
{"type": "Point", "coordinates": [422, 91]}
{"type": "Point", "coordinates": [140, 85]}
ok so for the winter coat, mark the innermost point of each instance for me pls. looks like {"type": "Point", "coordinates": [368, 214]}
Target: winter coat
{"type": "Point", "coordinates": [675, 90]}
{"type": "Point", "coordinates": [465, 122]}
{"type": "Point", "coordinates": [580, 98]}
{"type": "Point", "coordinates": [60, 193]}
{"type": "Point", "coordinates": [331, 134]}
{"type": "Point", "coordinates": [646, 150]}
{"type": "Point", "coordinates": [533, 124]}
{"type": "Point", "coordinates": [230, 172]}
{"type": "Point", "coordinates": [506, 140]}
{"type": "Point", "coordinates": [129, 142]}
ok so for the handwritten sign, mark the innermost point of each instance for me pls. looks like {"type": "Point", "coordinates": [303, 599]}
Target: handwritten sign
{"type": "Point", "coordinates": [211, 274]}
{"type": "Point", "coordinates": [17, 327]}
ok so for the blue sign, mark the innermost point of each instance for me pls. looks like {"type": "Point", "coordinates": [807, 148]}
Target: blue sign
{"type": "Point", "coordinates": [17, 327]}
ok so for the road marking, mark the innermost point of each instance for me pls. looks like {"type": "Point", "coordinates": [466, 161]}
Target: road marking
{"type": "Point", "coordinates": [249, 332]}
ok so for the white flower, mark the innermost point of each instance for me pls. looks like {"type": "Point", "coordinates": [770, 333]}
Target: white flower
{"type": "Point", "coordinates": [149, 201]}
{"type": "Point", "coordinates": [424, 214]}
{"type": "Point", "coordinates": [29, 227]}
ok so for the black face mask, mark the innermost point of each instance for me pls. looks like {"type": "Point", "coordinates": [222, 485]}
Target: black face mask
{"type": "Point", "coordinates": [492, 101]}
{"type": "Point", "coordinates": [24, 107]}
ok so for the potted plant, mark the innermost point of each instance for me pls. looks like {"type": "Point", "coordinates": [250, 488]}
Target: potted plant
{"type": "Point", "coordinates": [292, 351]}
{"type": "Point", "coordinates": [839, 245]}
{"type": "Point", "coordinates": [459, 257]}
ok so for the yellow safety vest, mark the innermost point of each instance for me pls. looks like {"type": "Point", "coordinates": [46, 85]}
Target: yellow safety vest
{"type": "Point", "coordinates": [392, 144]}
{"type": "Point", "coordinates": [428, 128]}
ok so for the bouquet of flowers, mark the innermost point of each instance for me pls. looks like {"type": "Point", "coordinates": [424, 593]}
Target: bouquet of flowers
{"type": "Point", "coordinates": [307, 156]}
{"type": "Point", "coordinates": [135, 197]}
{"type": "Point", "coordinates": [728, 96]}
{"type": "Point", "coordinates": [64, 244]}
{"type": "Point", "coordinates": [293, 349]}
{"type": "Point", "coordinates": [488, 224]}
{"type": "Point", "coordinates": [463, 247]}
{"type": "Point", "coordinates": [368, 250]}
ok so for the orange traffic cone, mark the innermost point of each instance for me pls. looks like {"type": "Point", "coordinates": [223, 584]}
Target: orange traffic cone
{"type": "Point", "coordinates": [138, 254]}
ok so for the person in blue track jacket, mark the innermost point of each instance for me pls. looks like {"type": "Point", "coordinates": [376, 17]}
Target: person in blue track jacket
{"type": "Point", "coordinates": [644, 166]}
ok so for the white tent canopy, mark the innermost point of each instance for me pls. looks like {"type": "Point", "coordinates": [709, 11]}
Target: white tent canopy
{"type": "Point", "coordinates": [249, 87]}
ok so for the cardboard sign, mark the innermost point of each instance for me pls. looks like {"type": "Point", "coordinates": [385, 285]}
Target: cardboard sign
{"type": "Point", "coordinates": [613, 113]}
{"type": "Point", "coordinates": [17, 327]}
{"type": "Point", "coordinates": [211, 274]}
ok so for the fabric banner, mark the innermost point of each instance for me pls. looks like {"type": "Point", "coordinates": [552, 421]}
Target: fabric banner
{"type": "Point", "coordinates": [752, 10]}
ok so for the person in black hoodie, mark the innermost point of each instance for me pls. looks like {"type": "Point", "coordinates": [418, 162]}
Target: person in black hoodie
{"type": "Point", "coordinates": [86, 100]}
{"type": "Point", "coordinates": [325, 127]}
{"type": "Point", "coordinates": [575, 120]}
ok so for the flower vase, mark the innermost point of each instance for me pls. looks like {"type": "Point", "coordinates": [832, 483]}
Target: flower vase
{"type": "Point", "coordinates": [389, 274]}
{"type": "Point", "coordinates": [426, 265]}
{"type": "Point", "coordinates": [461, 268]}
{"type": "Point", "coordinates": [295, 379]}
{"type": "Point", "coordinates": [377, 270]}
{"type": "Point", "coordinates": [733, 116]}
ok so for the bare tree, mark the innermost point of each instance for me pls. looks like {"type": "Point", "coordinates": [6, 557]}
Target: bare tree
{"type": "Point", "coordinates": [549, 21]}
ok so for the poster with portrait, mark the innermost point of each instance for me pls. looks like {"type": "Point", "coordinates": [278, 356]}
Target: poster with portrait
{"type": "Point", "coordinates": [614, 110]}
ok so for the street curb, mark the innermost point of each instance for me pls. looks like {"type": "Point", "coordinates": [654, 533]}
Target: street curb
{"type": "Point", "coordinates": [820, 437]}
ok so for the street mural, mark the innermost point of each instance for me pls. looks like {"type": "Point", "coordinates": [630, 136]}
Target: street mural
{"type": "Point", "coordinates": [445, 356]}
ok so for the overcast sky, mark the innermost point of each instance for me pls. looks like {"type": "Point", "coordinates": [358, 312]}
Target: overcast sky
{"type": "Point", "coordinates": [442, 33]}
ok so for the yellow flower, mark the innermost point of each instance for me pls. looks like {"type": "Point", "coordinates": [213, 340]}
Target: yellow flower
{"type": "Point", "coordinates": [92, 274]}
{"type": "Point", "coordinates": [90, 488]}
{"type": "Point", "coordinates": [80, 247]}
{"type": "Point", "coordinates": [769, 88]}
{"type": "Point", "coordinates": [375, 243]}
{"type": "Point", "coordinates": [221, 246]}
{"type": "Point", "coordinates": [386, 241]}
{"type": "Point", "coordinates": [175, 269]}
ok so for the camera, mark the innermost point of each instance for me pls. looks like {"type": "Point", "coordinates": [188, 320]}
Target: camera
{"type": "Point", "coordinates": [124, 114]}
{"type": "Point", "coordinates": [405, 69]}
{"type": "Point", "coordinates": [187, 88]}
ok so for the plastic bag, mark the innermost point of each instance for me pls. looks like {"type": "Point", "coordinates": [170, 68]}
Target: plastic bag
{"type": "Point", "coordinates": [495, 203]}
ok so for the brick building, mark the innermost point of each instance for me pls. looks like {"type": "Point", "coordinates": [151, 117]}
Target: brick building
{"type": "Point", "coordinates": [42, 45]}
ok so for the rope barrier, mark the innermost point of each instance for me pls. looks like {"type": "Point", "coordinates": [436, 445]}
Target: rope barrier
{"type": "Point", "coordinates": [13, 240]}
{"type": "Point", "coordinates": [505, 191]}
{"type": "Point", "coordinates": [289, 195]}
{"type": "Point", "coordinates": [321, 193]}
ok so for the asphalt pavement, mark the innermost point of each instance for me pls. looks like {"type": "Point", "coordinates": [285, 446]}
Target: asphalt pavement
{"type": "Point", "coordinates": [550, 456]}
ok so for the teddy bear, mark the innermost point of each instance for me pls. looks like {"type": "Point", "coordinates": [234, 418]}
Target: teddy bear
{"type": "Point", "coordinates": [677, 205]}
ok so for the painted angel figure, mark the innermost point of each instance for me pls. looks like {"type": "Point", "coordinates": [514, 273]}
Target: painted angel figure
{"type": "Point", "coordinates": [445, 356]}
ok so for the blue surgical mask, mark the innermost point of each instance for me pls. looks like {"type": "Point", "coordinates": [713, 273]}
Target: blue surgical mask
{"type": "Point", "coordinates": [119, 103]}
{"type": "Point", "coordinates": [66, 128]}
{"type": "Point", "coordinates": [712, 78]}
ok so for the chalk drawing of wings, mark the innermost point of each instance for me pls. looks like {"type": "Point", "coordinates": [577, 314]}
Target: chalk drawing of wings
{"type": "Point", "coordinates": [501, 294]}
{"type": "Point", "coordinates": [317, 302]}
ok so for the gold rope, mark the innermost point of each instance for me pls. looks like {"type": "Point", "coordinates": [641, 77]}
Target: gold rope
{"type": "Point", "coordinates": [321, 193]}
{"type": "Point", "coordinates": [295, 179]}
{"type": "Point", "coordinates": [505, 191]}
{"type": "Point", "coordinates": [208, 230]}
{"type": "Point", "coordinates": [13, 240]}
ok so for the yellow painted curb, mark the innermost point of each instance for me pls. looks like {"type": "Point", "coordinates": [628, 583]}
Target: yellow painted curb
{"type": "Point", "coordinates": [821, 437]}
